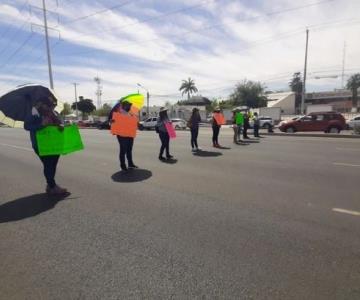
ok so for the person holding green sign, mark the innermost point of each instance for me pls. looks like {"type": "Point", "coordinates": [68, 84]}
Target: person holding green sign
{"type": "Point", "coordinates": [43, 115]}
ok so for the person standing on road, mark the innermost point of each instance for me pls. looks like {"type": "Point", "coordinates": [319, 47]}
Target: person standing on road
{"type": "Point", "coordinates": [246, 125]}
{"type": "Point", "coordinates": [43, 115]}
{"type": "Point", "coordinates": [126, 142]}
{"type": "Point", "coordinates": [163, 133]}
{"type": "Point", "coordinates": [239, 121]}
{"type": "Point", "coordinates": [234, 125]}
{"type": "Point", "coordinates": [256, 125]}
{"type": "Point", "coordinates": [193, 123]}
{"type": "Point", "coordinates": [216, 128]}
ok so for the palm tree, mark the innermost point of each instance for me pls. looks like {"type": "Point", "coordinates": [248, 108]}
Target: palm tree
{"type": "Point", "coordinates": [188, 87]}
{"type": "Point", "coordinates": [353, 84]}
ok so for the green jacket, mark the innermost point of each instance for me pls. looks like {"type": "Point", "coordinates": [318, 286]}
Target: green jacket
{"type": "Point", "coordinates": [239, 118]}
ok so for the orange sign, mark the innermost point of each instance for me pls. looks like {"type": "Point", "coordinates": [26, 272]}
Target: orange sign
{"type": "Point", "coordinates": [219, 118]}
{"type": "Point", "coordinates": [124, 125]}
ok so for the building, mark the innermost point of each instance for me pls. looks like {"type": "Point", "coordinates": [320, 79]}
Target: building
{"type": "Point", "coordinates": [285, 101]}
{"type": "Point", "coordinates": [341, 100]}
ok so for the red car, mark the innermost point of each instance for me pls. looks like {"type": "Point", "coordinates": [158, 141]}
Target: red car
{"type": "Point", "coordinates": [329, 122]}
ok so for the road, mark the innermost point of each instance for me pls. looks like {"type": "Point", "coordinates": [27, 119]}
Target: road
{"type": "Point", "coordinates": [275, 219]}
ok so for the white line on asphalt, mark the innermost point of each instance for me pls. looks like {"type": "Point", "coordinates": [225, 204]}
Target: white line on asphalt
{"type": "Point", "coordinates": [16, 147]}
{"type": "Point", "coordinates": [345, 164]}
{"type": "Point", "coordinates": [345, 211]}
{"type": "Point", "coordinates": [348, 149]}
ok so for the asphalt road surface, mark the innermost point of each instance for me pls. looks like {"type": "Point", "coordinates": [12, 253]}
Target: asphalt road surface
{"type": "Point", "coordinates": [277, 218]}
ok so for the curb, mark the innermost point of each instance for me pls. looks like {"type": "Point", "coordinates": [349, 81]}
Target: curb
{"type": "Point", "coordinates": [323, 135]}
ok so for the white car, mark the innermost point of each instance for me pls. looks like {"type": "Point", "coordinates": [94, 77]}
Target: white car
{"type": "Point", "coordinates": [265, 122]}
{"type": "Point", "coordinates": [353, 122]}
{"type": "Point", "coordinates": [148, 124]}
{"type": "Point", "coordinates": [179, 123]}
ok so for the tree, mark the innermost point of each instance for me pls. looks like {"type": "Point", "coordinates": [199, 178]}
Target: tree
{"type": "Point", "coordinates": [296, 85]}
{"type": "Point", "coordinates": [353, 84]}
{"type": "Point", "coordinates": [188, 87]}
{"type": "Point", "coordinates": [248, 93]}
{"type": "Point", "coordinates": [66, 110]}
{"type": "Point", "coordinates": [104, 111]}
{"type": "Point", "coordinates": [86, 106]}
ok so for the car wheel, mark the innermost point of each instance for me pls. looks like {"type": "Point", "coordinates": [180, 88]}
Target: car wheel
{"type": "Point", "coordinates": [266, 126]}
{"type": "Point", "coordinates": [334, 130]}
{"type": "Point", "coordinates": [290, 130]}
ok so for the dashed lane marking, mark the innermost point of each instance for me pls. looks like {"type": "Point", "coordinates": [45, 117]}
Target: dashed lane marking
{"type": "Point", "coordinates": [345, 164]}
{"type": "Point", "coordinates": [16, 147]}
{"type": "Point", "coordinates": [346, 211]}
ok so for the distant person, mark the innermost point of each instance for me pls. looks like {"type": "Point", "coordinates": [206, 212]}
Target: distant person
{"type": "Point", "coordinates": [193, 123]}
{"type": "Point", "coordinates": [126, 140]}
{"type": "Point", "coordinates": [240, 123]}
{"type": "Point", "coordinates": [216, 128]}
{"type": "Point", "coordinates": [256, 124]}
{"type": "Point", "coordinates": [234, 125]}
{"type": "Point", "coordinates": [163, 133]}
{"type": "Point", "coordinates": [246, 125]}
{"type": "Point", "coordinates": [42, 115]}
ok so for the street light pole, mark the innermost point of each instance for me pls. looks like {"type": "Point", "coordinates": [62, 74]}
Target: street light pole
{"type": "Point", "coordinates": [147, 99]}
{"type": "Point", "coordinates": [76, 104]}
{"type": "Point", "coordinates": [303, 95]}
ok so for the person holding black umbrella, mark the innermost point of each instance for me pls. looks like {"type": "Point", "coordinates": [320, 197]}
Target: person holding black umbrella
{"type": "Point", "coordinates": [42, 115]}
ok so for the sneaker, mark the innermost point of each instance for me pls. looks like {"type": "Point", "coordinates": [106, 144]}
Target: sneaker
{"type": "Point", "coordinates": [123, 168]}
{"type": "Point", "coordinates": [161, 157]}
{"type": "Point", "coordinates": [56, 190]}
{"type": "Point", "coordinates": [169, 156]}
{"type": "Point", "coordinates": [132, 166]}
{"type": "Point", "coordinates": [198, 149]}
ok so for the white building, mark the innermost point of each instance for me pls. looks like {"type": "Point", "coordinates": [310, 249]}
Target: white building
{"type": "Point", "coordinates": [285, 100]}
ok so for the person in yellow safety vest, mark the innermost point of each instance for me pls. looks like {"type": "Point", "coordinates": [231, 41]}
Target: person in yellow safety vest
{"type": "Point", "coordinates": [126, 140]}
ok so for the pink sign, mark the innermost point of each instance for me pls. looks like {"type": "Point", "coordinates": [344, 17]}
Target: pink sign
{"type": "Point", "coordinates": [170, 129]}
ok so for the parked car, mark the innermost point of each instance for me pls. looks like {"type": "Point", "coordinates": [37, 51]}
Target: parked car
{"type": "Point", "coordinates": [265, 122]}
{"type": "Point", "coordinates": [329, 122]}
{"type": "Point", "coordinates": [292, 119]}
{"type": "Point", "coordinates": [353, 122]}
{"type": "Point", "coordinates": [148, 124]}
{"type": "Point", "coordinates": [103, 125]}
{"type": "Point", "coordinates": [179, 124]}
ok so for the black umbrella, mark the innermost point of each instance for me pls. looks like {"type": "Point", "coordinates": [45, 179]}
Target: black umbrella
{"type": "Point", "coordinates": [16, 105]}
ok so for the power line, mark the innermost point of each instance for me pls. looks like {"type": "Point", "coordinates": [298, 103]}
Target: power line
{"type": "Point", "coordinates": [17, 50]}
{"type": "Point", "coordinates": [209, 27]}
{"type": "Point", "coordinates": [99, 12]}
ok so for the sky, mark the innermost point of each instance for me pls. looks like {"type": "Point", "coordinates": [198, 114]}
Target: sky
{"type": "Point", "coordinates": [158, 43]}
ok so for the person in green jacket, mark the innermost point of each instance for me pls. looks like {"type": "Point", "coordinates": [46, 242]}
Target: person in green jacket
{"type": "Point", "coordinates": [239, 120]}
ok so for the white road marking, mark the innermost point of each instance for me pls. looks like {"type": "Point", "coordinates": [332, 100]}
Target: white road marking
{"type": "Point", "coordinates": [16, 147]}
{"type": "Point", "coordinates": [348, 149]}
{"type": "Point", "coordinates": [345, 211]}
{"type": "Point", "coordinates": [345, 164]}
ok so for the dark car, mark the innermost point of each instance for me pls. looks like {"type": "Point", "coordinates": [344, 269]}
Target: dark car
{"type": "Point", "coordinates": [329, 122]}
{"type": "Point", "coordinates": [104, 125]}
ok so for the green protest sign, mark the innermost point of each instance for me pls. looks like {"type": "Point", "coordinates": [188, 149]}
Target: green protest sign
{"type": "Point", "coordinates": [51, 140]}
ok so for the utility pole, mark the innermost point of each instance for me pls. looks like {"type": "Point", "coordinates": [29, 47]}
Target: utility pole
{"type": "Point", "coordinates": [47, 46]}
{"type": "Point", "coordinates": [76, 102]}
{"type": "Point", "coordinates": [147, 98]}
{"type": "Point", "coordinates": [98, 93]}
{"type": "Point", "coordinates": [343, 67]}
{"type": "Point", "coordinates": [303, 95]}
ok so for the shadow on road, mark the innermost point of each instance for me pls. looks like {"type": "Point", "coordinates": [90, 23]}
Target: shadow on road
{"type": "Point", "coordinates": [251, 141]}
{"type": "Point", "coordinates": [203, 153]}
{"type": "Point", "coordinates": [132, 175]}
{"type": "Point", "coordinates": [170, 161]}
{"type": "Point", "coordinates": [242, 144]}
{"type": "Point", "coordinates": [27, 207]}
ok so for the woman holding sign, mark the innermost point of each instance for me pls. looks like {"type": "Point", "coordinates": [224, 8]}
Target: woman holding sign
{"type": "Point", "coordinates": [217, 120]}
{"type": "Point", "coordinates": [124, 125]}
{"type": "Point", "coordinates": [166, 131]}
{"type": "Point", "coordinates": [43, 115]}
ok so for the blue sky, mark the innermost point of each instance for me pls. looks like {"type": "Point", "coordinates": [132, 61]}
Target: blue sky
{"type": "Point", "coordinates": [158, 43]}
